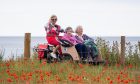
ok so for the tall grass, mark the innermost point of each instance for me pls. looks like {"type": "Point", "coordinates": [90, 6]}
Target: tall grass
{"type": "Point", "coordinates": [2, 52]}
{"type": "Point", "coordinates": [109, 52]}
{"type": "Point", "coordinates": [112, 52]}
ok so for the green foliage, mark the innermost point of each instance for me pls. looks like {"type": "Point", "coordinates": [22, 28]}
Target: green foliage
{"type": "Point", "coordinates": [114, 53]}
{"type": "Point", "coordinates": [103, 47]}
{"type": "Point", "coordinates": [132, 54]}
{"type": "Point", "coordinates": [111, 53]}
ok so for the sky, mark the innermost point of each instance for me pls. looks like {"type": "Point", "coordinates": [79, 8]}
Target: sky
{"type": "Point", "coordinates": [98, 17]}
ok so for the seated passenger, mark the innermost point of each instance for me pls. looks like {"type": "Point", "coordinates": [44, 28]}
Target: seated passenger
{"type": "Point", "coordinates": [89, 42]}
{"type": "Point", "coordinates": [52, 32]}
{"type": "Point", "coordinates": [80, 47]}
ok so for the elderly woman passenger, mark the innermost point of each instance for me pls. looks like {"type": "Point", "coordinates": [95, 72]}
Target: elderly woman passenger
{"type": "Point", "coordinates": [88, 41]}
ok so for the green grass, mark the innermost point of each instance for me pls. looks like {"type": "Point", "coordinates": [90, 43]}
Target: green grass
{"type": "Point", "coordinates": [33, 72]}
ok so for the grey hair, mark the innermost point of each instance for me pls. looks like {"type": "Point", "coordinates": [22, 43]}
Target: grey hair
{"type": "Point", "coordinates": [77, 28]}
{"type": "Point", "coordinates": [53, 16]}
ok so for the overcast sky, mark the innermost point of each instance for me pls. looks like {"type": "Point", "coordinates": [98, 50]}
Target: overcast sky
{"type": "Point", "coordinates": [98, 17]}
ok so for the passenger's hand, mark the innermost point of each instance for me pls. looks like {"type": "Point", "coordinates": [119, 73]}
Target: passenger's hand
{"type": "Point", "coordinates": [61, 30]}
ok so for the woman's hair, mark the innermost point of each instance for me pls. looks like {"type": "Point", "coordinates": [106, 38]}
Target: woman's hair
{"type": "Point", "coordinates": [77, 28]}
{"type": "Point", "coordinates": [52, 16]}
{"type": "Point", "coordinates": [68, 28]}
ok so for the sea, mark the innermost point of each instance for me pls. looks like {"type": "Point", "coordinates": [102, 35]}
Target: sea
{"type": "Point", "coordinates": [13, 46]}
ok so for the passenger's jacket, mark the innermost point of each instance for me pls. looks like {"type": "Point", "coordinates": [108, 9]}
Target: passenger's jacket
{"type": "Point", "coordinates": [71, 38]}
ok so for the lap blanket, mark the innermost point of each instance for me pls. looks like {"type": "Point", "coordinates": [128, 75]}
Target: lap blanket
{"type": "Point", "coordinates": [90, 44]}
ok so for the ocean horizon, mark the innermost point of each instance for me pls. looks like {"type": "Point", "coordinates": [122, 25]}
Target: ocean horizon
{"type": "Point", "coordinates": [14, 45]}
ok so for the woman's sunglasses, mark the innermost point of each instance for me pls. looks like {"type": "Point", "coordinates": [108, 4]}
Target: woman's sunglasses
{"type": "Point", "coordinates": [54, 19]}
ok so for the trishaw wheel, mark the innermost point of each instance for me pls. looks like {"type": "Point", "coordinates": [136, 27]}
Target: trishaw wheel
{"type": "Point", "coordinates": [67, 57]}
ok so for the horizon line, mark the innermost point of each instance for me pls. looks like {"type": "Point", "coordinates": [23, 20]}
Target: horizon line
{"type": "Point", "coordinates": [89, 35]}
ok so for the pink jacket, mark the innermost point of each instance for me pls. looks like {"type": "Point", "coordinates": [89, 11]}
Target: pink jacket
{"type": "Point", "coordinates": [71, 38]}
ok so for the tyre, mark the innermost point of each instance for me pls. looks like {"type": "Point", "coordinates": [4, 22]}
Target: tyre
{"type": "Point", "coordinates": [67, 57]}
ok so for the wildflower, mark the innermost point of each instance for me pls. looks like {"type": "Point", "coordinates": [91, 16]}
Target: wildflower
{"type": "Point", "coordinates": [57, 78]}
{"type": "Point", "coordinates": [126, 81]}
{"type": "Point", "coordinates": [48, 73]}
{"type": "Point", "coordinates": [9, 80]}
{"type": "Point", "coordinates": [41, 77]}
{"type": "Point", "coordinates": [130, 66]}
{"type": "Point", "coordinates": [32, 63]}
{"type": "Point", "coordinates": [7, 64]}
{"type": "Point", "coordinates": [121, 72]}
{"type": "Point", "coordinates": [131, 80]}
{"type": "Point", "coordinates": [29, 78]}
{"type": "Point", "coordinates": [15, 76]}
{"type": "Point", "coordinates": [44, 62]}
{"type": "Point", "coordinates": [8, 71]}
{"type": "Point", "coordinates": [29, 74]}
{"type": "Point", "coordinates": [80, 65]}
{"type": "Point", "coordinates": [122, 80]}
{"type": "Point", "coordinates": [118, 79]}
{"type": "Point", "coordinates": [108, 78]}
{"type": "Point", "coordinates": [139, 77]}
{"type": "Point", "coordinates": [23, 76]}
{"type": "Point", "coordinates": [111, 82]}
{"type": "Point", "coordinates": [71, 78]}
{"type": "Point", "coordinates": [98, 79]}
{"type": "Point", "coordinates": [78, 78]}
{"type": "Point", "coordinates": [139, 81]}
{"type": "Point", "coordinates": [125, 75]}
{"type": "Point", "coordinates": [0, 81]}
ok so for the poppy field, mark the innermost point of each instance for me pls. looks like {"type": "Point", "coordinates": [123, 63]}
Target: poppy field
{"type": "Point", "coordinates": [31, 71]}
{"type": "Point", "coordinates": [26, 71]}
